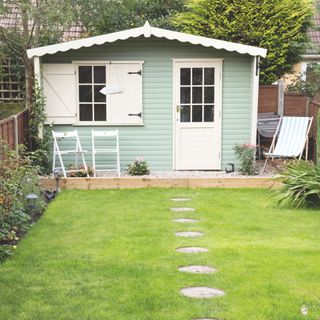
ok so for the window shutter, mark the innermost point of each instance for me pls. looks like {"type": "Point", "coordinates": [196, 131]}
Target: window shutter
{"type": "Point", "coordinates": [59, 88]}
{"type": "Point", "coordinates": [128, 77]}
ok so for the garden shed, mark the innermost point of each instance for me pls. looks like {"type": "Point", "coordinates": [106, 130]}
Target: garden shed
{"type": "Point", "coordinates": [180, 101]}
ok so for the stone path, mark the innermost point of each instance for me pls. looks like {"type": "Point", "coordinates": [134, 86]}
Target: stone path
{"type": "Point", "coordinates": [197, 269]}
{"type": "Point", "coordinates": [191, 249]}
{"type": "Point", "coordinates": [181, 209]}
{"type": "Point", "coordinates": [185, 220]}
{"type": "Point", "coordinates": [180, 199]}
{"type": "Point", "coordinates": [201, 292]}
{"type": "Point", "coordinates": [194, 292]}
{"type": "Point", "coordinates": [189, 234]}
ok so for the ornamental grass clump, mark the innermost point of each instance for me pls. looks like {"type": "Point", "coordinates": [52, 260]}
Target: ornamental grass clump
{"type": "Point", "coordinates": [300, 185]}
{"type": "Point", "coordinates": [138, 168]}
{"type": "Point", "coordinates": [246, 155]}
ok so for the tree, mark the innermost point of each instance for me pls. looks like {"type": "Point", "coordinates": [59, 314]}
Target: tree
{"type": "Point", "coordinates": [277, 25]}
{"type": "Point", "coordinates": [105, 16]}
{"type": "Point", "coordinates": [31, 23]}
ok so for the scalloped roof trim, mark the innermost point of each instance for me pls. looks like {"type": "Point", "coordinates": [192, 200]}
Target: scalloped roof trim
{"type": "Point", "coordinates": [146, 31]}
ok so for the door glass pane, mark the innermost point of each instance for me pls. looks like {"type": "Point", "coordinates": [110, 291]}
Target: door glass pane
{"type": "Point", "coordinates": [209, 76]}
{"type": "Point", "coordinates": [185, 114]}
{"type": "Point", "coordinates": [209, 113]}
{"type": "Point", "coordinates": [197, 76]}
{"type": "Point", "coordinates": [185, 76]}
{"type": "Point", "coordinates": [100, 112]}
{"type": "Point", "coordinates": [99, 74]}
{"type": "Point", "coordinates": [196, 113]}
{"type": "Point", "coordinates": [98, 96]}
{"type": "Point", "coordinates": [185, 95]}
{"type": "Point", "coordinates": [85, 93]}
{"type": "Point", "coordinates": [197, 95]}
{"type": "Point", "coordinates": [85, 112]}
{"type": "Point", "coordinates": [209, 94]}
{"type": "Point", "coordinates": [85, 74]}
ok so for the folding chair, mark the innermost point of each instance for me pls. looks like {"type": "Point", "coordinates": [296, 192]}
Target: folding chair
{"type": "Point", "coordinates": [290, 138]}
{"type": "Point", "coordinates": [59, 149]}
{"type": "Point", "coordinates": [105, 142]}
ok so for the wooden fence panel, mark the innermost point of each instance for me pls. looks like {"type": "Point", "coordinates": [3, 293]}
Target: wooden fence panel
{"type": "Point", "coordinates": [268, 99]}
{"type": "Point", "coordinates": [13, 131]}
{"type": "Point", "coordinates": [295, 105]}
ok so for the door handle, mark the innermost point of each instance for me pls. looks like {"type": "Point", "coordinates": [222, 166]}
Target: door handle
{"type": "Point", "coordinates": [178, 108]}
{"type": "Point", "coordinates": [135, 114]}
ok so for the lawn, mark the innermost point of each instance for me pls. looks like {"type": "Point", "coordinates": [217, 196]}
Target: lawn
{"type": "Point", "coordinates": [110, 254]}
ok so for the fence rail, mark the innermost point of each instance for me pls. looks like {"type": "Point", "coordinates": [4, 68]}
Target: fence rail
{"type": "Point", "coordinates": [13, 130]}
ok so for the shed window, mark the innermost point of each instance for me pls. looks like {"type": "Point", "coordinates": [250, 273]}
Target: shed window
{"type": "Point", "coordinates": [122, 83]}
{"type": "Point", "coordinates": [197, 86]}
{"type": "Point", "coordinates": [92, 103]}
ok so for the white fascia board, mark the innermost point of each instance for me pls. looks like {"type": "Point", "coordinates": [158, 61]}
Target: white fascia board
{"type": "Point", "coordinates": [146, 31]}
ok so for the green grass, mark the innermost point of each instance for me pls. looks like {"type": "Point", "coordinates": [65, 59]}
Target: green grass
{"type": "Point", "coordinates": [110, 254]}
{"type": "Point", "coordinates": [10, 109]}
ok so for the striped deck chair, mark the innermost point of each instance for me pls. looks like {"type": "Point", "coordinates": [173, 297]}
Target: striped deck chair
{"type": "Point", "coordinates": [290, 139]}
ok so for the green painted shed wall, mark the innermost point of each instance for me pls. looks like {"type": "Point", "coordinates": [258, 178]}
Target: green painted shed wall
{"type": "Point", "coordinates": [154, 140]}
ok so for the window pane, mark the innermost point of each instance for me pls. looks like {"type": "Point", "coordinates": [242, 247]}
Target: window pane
{"type": "Point", "coordinates": [99, 74]}
{"type": "Point", "coordinates": [197, 76]}
{"type": "Point", "coordinates": [197, 95]}
{"type": "Point", "coordinates": [196, 113]}
{"type": "Point", "coordinates": [100, 112]}
{"type": "Point", "coordinates": [85, 93]}
{"type": "Point", "coordinates": [85, 74]}
{"type": "Point", "coordinates": [209, 113]}
{"type": "Point", "coordinates": [209, 94]}
{"type": "Point", "coordinates": [209, 76]}
{"type": "Point", "coordinates": [85, 112]}
{"type": "Point", "coordinates": [185, 76]}
{"type": "Point", "coordinates": [185, 95]}
{"type": "Point", "coordinates": [98, 96]}
{"type": "Point", "coordinates": [185, 113]}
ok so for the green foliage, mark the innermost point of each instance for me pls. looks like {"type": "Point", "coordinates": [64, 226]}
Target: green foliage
{"type": "Point", "coordinates": [246, 154]}
{"type": "Point", "coordinates": [102, 16]}
{"type": "Point", "coordinates": [18, 178]}
{"type": "Point", "coordinates": [301, 185]}
{"type": "Point", "coordinates": [138, 168]}
{"type": "Point", "coordinates": [39, 146]}
{"type": "Point", "coordinates": [6, 252]}
{"type": "Point", "coordinates": [307, 83]}
{"type": "Point", "coordinates": [277, 25]}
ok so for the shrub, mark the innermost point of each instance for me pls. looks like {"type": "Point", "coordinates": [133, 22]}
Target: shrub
{"type": "Point", "coordinates": [138, 168]}
{"type": "Point", "coordinates": [18, 178]}
{"type": "Point", "coordinates": [300, 185]}
{"type": "Point", "coordinates": [246, 154]}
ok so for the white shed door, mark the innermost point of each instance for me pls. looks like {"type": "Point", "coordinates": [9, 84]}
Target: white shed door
{"type": "Point", "coordinates": [59, 88]}
{"type": "Point", "coordinates": [125, 106]}
{"type": "Point", "coordinates": [197, 115]}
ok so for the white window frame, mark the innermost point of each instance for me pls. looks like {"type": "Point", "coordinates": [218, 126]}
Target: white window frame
{"type": "Point", "coordinates": [102, 63]}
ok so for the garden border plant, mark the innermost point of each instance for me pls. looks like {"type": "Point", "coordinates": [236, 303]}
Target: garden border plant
{"type": "Point", "coordinates": [19, 177]}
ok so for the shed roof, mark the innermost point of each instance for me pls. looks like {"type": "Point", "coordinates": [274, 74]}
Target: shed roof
{"type": "Point", "coordinates": [146, 31]}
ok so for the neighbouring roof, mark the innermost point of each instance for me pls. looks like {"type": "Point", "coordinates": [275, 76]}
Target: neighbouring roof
{"type": "Point", "coordinates": [147, 31]}
{"type": "Point", "coordinates": [12, 19]}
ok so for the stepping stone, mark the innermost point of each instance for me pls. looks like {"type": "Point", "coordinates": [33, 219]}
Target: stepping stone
{"type": "Point", "coordinates": [180, 199]}
{"type": "Point", "coordinates": [180, 209]}
{"type": "Point", "coordinates": [201, 292]}
{"type": "Point", "coordinates": [197, 269]}
{"type": "Point", "coordinates": [185, 220]}
{"type": "Point", "coordinates": [188, 234]}
{"type": "Point", "coordinates": [206, 319]}
{"type": "Point", "coordinates": [191, 249]}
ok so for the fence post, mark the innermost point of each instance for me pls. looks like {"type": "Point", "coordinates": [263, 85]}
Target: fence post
{"type": "Point", "coordinates": [16, 133]}
{"type": "Point", "coordinates": [281, 88]}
